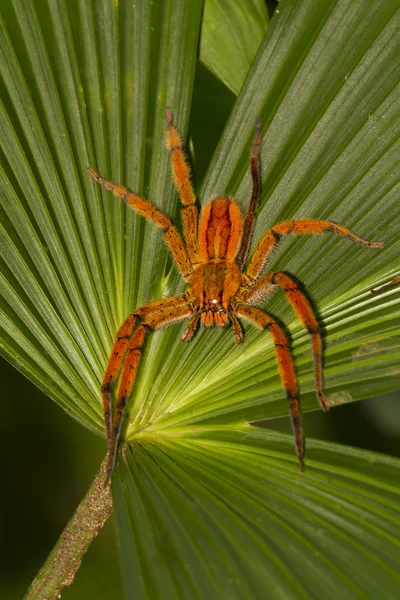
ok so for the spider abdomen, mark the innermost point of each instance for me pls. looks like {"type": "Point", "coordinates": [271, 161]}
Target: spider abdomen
{"type": "Point", "coordinates": [220, 229]}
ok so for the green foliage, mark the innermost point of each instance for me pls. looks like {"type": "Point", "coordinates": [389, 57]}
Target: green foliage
{"type": "Point", "coordinates": [231, 35]}
{"type": "Point", "coordinates": [86, 84]}
{"type": "Point", "coordinates": [231, 519]}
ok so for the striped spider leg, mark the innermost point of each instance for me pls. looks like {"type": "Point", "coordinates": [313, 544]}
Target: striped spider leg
{"type": "Point", "coordinates": [260, 287]}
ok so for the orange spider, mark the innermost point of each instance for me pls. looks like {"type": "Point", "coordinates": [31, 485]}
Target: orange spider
{"type": "Point", "coordinates": [211, 259]}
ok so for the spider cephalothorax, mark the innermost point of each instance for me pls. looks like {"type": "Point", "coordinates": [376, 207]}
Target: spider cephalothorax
{"type": "Point", "coordinates": [211, 259]}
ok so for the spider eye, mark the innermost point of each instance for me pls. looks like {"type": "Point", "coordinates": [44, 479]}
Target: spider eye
{"type": "Point", "coordinates": [214, 301]}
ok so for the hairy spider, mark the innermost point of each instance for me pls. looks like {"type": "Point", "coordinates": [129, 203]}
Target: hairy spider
{"type": "Point", "coordinates": [211, 259]}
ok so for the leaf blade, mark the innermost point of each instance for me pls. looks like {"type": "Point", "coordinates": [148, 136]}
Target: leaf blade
{"type": "Point", "coordinates": [231, 493]}
{"type": "Point", "coordinates": [315, 149]}
{"type": "Point", "coordinates": [231, 35]}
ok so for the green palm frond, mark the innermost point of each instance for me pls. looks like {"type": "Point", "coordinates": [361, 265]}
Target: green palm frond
{"type": "Point", "coordinates": [86, 84]}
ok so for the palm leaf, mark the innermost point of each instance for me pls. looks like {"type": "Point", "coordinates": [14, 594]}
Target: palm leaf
{"type": "Point", "coordinates": [230, 518]}
{"type": "Point", "coordinates": [87, 85]}
{"type": "Point", "coordinates": [231, 35]}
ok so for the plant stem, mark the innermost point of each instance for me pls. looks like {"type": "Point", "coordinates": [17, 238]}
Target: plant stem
{"type": "Point", "coordinates": [64, 560]}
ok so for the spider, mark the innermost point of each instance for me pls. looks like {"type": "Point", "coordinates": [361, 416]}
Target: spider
{"type": "Point", "coordinates": [211, 258]}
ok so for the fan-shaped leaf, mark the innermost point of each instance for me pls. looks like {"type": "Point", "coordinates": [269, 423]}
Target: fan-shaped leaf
{"type": "Point", "coordinates": [76, 261]}
{"type": "Point", "coordinates": [321, 160]}
{"type": "Point", "coordinates": [86, 84]}
{"type": "Point", "coordinates": [221, 513]}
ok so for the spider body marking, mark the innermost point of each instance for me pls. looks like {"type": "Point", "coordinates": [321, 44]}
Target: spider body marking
{"type": "Point", "coordinates": [211, 258]}
{"type": "Point", "coordinates": [215, 282]}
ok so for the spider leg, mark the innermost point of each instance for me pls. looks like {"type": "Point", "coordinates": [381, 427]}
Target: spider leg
{"type": "Point", "coordinates": [117, 354]}
{"type": "Point", "coordinates": [130, 369]}
{"type": "Point", "coordinates": [271, 238]}
{"type": "Point", "coordinates": [286, 368]}
{"type": "Point", "coordinates": [236, 328]}
{"type": "Point", "coordinates": [305, 313]}
{"type": "Point", "coordinates": [147, 210]}
{"type": "Point", "coordinates": [250, 219]}
{"type": "Point", "coordinates": [176, 309]}
{"type": "Point", "coordinates": [190, 330]}
{"type": "Point", "coordinates": [181, 172]}
{"type": "Point", "coordinates": [257, 291]}
{"type": "Point", "coordinates": [301, 306]}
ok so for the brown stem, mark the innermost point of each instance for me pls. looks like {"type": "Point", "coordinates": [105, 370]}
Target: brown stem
{"type": "Point", "coordinates": [64, 560]}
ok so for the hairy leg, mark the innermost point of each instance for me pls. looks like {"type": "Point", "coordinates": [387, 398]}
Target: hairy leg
{"type": "Point", "coordinates": [190, 330]}
{"type": "Point", "coordinates": [181, 172]}
{"type": "Point", "coordinates": [301, 306]}
{"type": "Point", "coordinates": [111, 375]}
{"type": "Point", "coordinates": [126, 351]}
{"type": "Point", "coordinates": [286, 368]}
{"type": "Point", "coordinates": [130, 370]}
{"type": "Point", "coordinates": [272, 237]}
{"type": "Point", "coordinates": [147, 210]}
{"type": "Point", "coordinates": [236, 328]}
{"type": "Point", "coordinates": [250, 219]}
